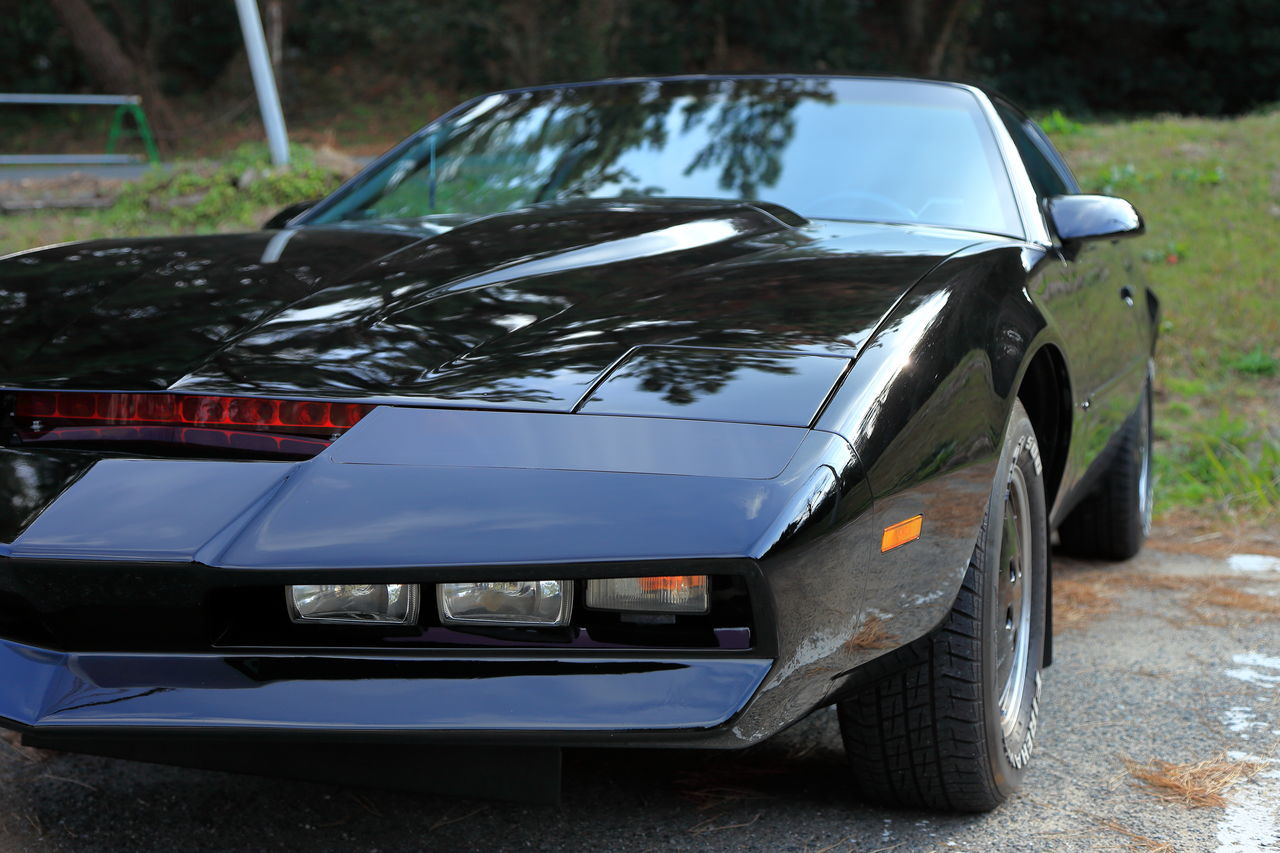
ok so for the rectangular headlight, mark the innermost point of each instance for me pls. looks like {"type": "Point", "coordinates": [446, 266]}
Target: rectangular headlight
{"type": "Point", "coordinates": [354, 603]}
{"type": "Point", "coordinates": [670, 594]}
{"type": "Point", "coordinates": [514, 603]}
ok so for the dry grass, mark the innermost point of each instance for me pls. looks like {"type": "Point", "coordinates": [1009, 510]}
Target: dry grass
{"type": "Point", "coordinates": [719, 786]}
{"type": "Point", "coordinates": [1081, 597]}
{"type": "Point", "coordinates": [717, 796]}
{"type": "Point", "coordinates": [1188, 531]}
{"type": "Point", "coordinates": [1137, 841]}
{"type": "Point", "coordinates": [448, 818]}
{"type": "Point", "coordinates": [11, 747]}
{"type": "Point", "coordinates": [1237, 599]}
{"type": "Point", "coordinates": [710, 825]}
{"type": "Point", "coordinates": [1207, 596]}
{"type": "Point", "coordinates": [872, 635]}
{"type": "Point", "coordinates": [1196, 784]}
{"type": "Point", "coordinates": [1177, 583]}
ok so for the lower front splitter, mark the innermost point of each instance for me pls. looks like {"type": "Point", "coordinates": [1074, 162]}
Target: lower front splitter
{"type": "Point", "coordinates": [51, 691]}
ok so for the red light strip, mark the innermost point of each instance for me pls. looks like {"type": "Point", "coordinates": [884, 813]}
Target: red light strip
{"type": "Point", "coordinates": [216, 439]}
{"type": "Point", "coordinates": [95, 408]}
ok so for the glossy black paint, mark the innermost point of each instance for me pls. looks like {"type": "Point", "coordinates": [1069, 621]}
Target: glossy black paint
{"type": "Point", "coordinates": [577, 389]}
{"type": "Point", "coordinates": [285, 215]}
{"type": "Point", "coordinates": [494, 313]}
{"type": "Point", "coordinates": [1093, 217]}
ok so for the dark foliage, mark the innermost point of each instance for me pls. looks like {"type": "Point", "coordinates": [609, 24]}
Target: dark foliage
{"type": "Point", "coordinates": [1186, 56]}
{"type": "Point", "coordinates": [187, 43]}
{"type": "Point", "coordinates": [1088, 56]}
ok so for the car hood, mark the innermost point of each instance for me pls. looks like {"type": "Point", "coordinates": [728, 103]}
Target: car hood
{"type": "Point", "coordinates": [527, 310]}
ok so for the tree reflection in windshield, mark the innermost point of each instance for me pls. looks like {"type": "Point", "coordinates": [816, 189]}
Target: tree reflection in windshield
{"type": "Point", "coordinates": [714, 140]}
{"type": "Point", "coordinates": [748, 133]}
{"type": "Point", "coordinates": [823, 147]}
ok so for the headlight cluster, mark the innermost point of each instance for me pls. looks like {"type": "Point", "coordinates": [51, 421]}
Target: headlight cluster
{"type": "Point", "coordinates": [522, 603]}
{"type": "Point", "coordinates": [378, 603]}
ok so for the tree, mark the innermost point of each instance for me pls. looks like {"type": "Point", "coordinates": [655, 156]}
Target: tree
{"type": "Point", "coordinates": [929, 29]}
{"type": "Point", "coordinates": [111, 67]}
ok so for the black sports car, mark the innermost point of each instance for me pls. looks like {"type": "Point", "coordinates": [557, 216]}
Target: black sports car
{"type": "Point", "coordinates": [652, 412]}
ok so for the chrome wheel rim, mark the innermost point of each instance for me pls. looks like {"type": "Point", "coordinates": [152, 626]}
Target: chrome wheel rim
{"type": "Point", "coordinates": [1145, 488]}
{"type": "Point", "coordinates": [1013, 602]}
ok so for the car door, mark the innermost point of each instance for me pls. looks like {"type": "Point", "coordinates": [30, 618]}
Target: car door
{"type": "Point", "coordinates": [1092, 292]}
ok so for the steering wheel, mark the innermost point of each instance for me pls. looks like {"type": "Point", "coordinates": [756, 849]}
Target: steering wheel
{"type": "Point", "coordinates": [894, 206]}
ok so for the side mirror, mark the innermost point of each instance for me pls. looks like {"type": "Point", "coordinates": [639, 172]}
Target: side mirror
{"type": "Point", "coordinates": [1093, 217]}
{"type": "Point", "coordinates": [282, 218]}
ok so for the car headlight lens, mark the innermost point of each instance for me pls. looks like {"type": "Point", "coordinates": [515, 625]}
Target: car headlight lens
{"type": "Point", "coordinates": [354, 603]}
{"type": "Point", "coordinates": [513, 603]}
{"type": "Point", "coordinates": [669, 594]}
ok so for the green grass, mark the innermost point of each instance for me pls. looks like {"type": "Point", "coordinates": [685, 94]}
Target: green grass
{"type": "Point", "coordinates": [1210, 192]}
{"type": "Point", "coordinates": [235, 194]}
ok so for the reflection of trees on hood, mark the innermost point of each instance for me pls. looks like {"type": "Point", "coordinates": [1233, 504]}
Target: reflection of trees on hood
{"type": "Point", "coordinates": [684, 376]}
{"type": "Point", "coordinates": [399, 327]}
{"type": "Point", "coordinates": [540, 340]}
{"type": "Point", "coordinates": [28, 481]}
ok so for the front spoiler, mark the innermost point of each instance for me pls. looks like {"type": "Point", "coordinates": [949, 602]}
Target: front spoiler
{"type": "Point", "coordinates": [55, 694]}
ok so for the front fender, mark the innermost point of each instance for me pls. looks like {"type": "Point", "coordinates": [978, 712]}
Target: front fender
{"type": "Point", "coordinates": [925, 407]}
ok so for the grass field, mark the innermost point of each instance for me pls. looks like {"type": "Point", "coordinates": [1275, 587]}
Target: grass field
{"type": "Point", "coordinates": [1210, 190]}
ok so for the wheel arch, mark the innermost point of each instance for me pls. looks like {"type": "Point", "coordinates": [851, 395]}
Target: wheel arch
{"type": "Point", "coordinates": [1045, 392]}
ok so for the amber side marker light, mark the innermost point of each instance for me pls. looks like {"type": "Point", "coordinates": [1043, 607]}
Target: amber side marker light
{"type": "Point", "coordinates": [901, 533]}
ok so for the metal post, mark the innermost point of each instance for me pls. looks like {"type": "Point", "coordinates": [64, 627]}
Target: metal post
{"type": "Point", "coordinates": [255, 44]}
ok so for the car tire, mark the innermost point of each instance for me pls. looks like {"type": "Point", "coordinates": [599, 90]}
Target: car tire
{"type": "Point", "coordinates": [948, 722]}
{"type": "Point", "coordinates": [1113, 520]}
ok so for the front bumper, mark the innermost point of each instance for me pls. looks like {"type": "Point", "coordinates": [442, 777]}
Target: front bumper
{"type": "Point", "coordinates": [111, 572]}
{"type": "Point", "coordinates": [554, 700]}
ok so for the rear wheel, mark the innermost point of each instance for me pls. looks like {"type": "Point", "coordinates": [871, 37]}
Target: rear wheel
{"type": "Point", "coordinates": [948, 722]}
{"type": "Point", "coordinates": [1113, 521]}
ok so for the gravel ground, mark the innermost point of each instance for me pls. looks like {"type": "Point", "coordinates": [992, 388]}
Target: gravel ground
{"type": "Point", "coordinates": [1151, 663]}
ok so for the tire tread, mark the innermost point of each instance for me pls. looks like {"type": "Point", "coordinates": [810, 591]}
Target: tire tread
{"type": "Point", "coordinates": [918, 726]}
{"type": "Point", "coordinates": [924, 706]}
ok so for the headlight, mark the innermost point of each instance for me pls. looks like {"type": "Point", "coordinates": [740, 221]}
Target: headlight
{"type": "Point", "coordinates": [514, 603]}
{"type": "Point", "coordinates": [355, 603]}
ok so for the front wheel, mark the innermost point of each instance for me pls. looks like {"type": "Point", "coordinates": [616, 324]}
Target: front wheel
{"type": "Point", "coordinates": [949, 721]}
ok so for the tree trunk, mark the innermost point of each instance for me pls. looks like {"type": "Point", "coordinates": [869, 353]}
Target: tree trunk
{"type": "Point", "coordinates": [720, 42]}
{"type": "Point", "coordinates": [597, 21]}
{"type": "Point", "coordinates": [275, 40]}
{"type": "Point", "coordinates": [519, 30]}
{"type": "Point", "coordinates": [945, 36]}
{"type": "Point", "coordinates": [914, 14]}
{"type": "Point", "coordinates": [111, 67]}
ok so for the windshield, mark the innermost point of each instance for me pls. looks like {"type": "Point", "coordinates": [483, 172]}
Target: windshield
{"type": "Point", "coordinates": [884, 150]}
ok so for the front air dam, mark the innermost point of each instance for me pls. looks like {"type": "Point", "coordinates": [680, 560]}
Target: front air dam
{"type": "Point", "coordinates": [516, 773]}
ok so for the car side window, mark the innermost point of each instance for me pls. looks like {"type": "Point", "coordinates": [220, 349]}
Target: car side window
{"type": "Point", "coordinates": [1048, 173]}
